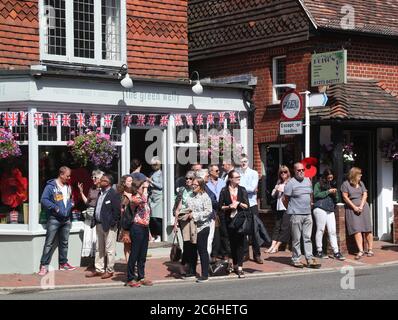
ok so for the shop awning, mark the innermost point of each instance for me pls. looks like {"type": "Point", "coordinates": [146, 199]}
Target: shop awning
{"type": "Point", "coordinates": [359, 99]}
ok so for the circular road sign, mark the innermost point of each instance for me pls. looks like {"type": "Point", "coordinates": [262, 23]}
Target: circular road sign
{"type": "Point", "coordinates": [291, 105]}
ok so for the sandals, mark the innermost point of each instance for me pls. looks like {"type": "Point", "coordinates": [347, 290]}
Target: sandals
{"type": "Point", "coordinates": [370, 253]}
{"type": "Point", "coordinates": [359, 255]}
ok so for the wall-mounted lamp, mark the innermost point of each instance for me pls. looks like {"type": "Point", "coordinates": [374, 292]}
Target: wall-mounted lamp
{"type": "Point", "coordinates": [197, 88]}
{"type": "Point", "coordinates": [126, 82]}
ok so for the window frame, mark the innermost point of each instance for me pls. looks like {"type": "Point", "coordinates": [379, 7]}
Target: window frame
{"type": "Point", "coordinates": [69, 26]}
{"type": "Point", "coordinates": [275, 99]}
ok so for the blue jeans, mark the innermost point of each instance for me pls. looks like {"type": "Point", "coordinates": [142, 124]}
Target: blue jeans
{"type": "Point", "coordinates": [139, 247]}
{"type": "Point", "coordinates": [53, 227]}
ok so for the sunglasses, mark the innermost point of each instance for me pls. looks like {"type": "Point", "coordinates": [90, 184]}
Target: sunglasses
{"type": "Point", "coordinates": [188, 178]}
{"type": "Point", "coordinates": [300, 170]}
{"type": "Point", "coordinates": [282, 172]}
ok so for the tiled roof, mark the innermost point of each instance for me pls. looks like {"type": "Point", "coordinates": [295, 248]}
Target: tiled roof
{"type": "Point", "coordinates": [359, 99]}
{"type": "Point", "coordinates": [222, 27]}
{"type": "Point", "coordinates": [370, 16]}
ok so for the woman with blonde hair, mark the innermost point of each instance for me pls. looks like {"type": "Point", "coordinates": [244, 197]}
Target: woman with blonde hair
{"type": "Point", "coordinates": [281, 232]}
{"type": "Point", "coordinates": [357, 211]}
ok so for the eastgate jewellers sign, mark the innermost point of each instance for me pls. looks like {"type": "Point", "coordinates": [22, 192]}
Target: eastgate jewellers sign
{"type": "Point", "coordinates": [329, 68]}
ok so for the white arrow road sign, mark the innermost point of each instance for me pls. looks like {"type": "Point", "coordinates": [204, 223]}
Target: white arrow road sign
{"type": "Point", "coordinates": [318, 100]}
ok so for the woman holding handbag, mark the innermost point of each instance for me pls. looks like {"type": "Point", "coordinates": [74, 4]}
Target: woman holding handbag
{"type": "Point", "coordinates": [233, 201]}
{"type": "Point", "coordinates": [281, 232]}
{"type": "Point", "coordinates": [200, 206]}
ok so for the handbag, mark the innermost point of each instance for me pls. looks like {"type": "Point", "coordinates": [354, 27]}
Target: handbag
{"type": "Point", "coordinates": [242, 223]}
{"type": "Point", "coordinates": [127, 219]}
{"type": "Point", "coordinates": [175, 252]}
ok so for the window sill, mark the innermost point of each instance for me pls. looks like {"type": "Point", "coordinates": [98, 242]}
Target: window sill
{"type": "Point", "coordinates": [23, 229]}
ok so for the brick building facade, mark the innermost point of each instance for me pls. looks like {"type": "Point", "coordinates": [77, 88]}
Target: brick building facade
{"type": "Point", "coordinates": [294, 30]}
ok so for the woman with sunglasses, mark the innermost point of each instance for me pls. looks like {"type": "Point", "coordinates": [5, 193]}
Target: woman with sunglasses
{"type": "Point", "coordinates": [90, 236]}
{"type": "Point", "coordinates": [234, 198]}
{"type": "Point", "coordinates": [181, 214]}
{"type": "Point", "coordinates": [124, 189]}
{"type": "Point", "coordinates": [281, 232]}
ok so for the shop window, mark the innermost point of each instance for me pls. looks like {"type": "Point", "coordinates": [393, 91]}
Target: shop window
{"type": "Point", "coordinates": [115, 131]}
{"type": "Point", "coordinates": [51, 158]}
{"type": "Point", "coordinates": [278, 77]}
{"type": "Point", "coordinates": [47, 132]}
{"type": "Point", "coordinates": [97, 29]}
{"type": "Point", "coordinates": [14, 189]}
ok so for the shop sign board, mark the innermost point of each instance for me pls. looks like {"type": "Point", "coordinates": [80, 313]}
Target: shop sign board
{"type": "Point", "coordinates": [291, 105]}
{"type": "Point", "coordinates": [329, 68]}
{"type": "Point", "coordinates": [291, 127]}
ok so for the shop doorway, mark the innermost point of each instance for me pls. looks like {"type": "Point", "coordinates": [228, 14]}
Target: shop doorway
{"type": "Point", "coordinates": [138, 147]}
{"type": "Point", "coordinates": [364, 146]}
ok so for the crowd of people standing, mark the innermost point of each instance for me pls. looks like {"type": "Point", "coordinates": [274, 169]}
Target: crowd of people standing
{"type": "Point", "coordinates": [216, 213]}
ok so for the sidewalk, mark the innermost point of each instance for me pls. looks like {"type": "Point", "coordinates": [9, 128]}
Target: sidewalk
{"type": "Point", "coordinates": [161, 270]}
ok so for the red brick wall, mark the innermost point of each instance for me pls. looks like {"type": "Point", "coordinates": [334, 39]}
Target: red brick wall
{"type": "Point", "coordinates": [157, 41]}
{"type": "Point", "coordinates": [157, 38]}
{"type": "Point", "coordinates": [366, 58]}
{"type": "Point", "coordinates": [19, 34]}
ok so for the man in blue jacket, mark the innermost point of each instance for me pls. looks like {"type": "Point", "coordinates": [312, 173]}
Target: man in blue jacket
{"type": "Point", "coordinates": [56, 200]}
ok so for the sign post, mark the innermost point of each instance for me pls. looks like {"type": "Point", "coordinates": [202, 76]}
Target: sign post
{"type": "Point", "coordinates": [291, 107]}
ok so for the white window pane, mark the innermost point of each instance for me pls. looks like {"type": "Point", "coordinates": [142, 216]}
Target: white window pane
{"type": "Point", "coordinates": [111, 35]}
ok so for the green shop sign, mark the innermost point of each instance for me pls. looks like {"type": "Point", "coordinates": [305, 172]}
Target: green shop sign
{"type": "Point", "coordinates": [329, 68]}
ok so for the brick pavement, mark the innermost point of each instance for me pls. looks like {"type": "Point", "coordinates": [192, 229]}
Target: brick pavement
{"type": "Point", "coordinates": [161, 270]}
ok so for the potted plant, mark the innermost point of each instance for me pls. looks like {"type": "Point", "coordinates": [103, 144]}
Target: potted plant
{"type": "Point", "coordinates": [93, 147]}
{"type": "Point", "coordinates": [348, 153]}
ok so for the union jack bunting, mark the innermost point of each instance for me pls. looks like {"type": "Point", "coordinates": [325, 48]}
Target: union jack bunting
{"type": "Point", "coordinates": [80, 119]}
{"type": "Point", "coordinates": [53, 118]}
{"type": "Point", "coordinates": [178, 120]}
{"type": "Point", "coordinates": [210, 118]}
{"type": "Point", "coordinates": [232, 117]}
{"type": "Point", "coordinates": [221, 117]}
{"type": "Point", "coordinates": [6, 118]}
{"type": "Point", "coordinates": [22, 117]}
{"type": "Point", "coordinates": [127, 120]}
{"type": "Point", "coordinates": [93, 120]}
{"type": "Point", "coordinates": [13, 122]}
{"type": "Point", "coordinates": [108, 121]}
{"type": "Point", "coordinates": [66, 120]}
{"type": "Point", "coordinates": [141, 120]}
{"type": "Point", "coordinates": [199, 119]}
{"type": "Point", "coordinates": [151, 120]}
{"type": "Point", "coordinates": [164, 121]}
{"type": "Point", "coordinates": [38, 119]}
{"type": "Point", "coordinates": [189, 119]}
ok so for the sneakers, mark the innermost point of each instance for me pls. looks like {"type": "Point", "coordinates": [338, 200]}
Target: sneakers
{"type": "Point", "coordinates": [241, 274]}
{"type": "Point", "coordinates": [134, 284]}
{"type": "Point", "coordinates": [202, 279]}
{"type": "Point", "coordinates": [321, 255]}
{"type": "Point", "coordinates": [146, 282]}
{"type": "Point", "coordinates": [43, 271]}
{"type": "Point", "coordinates": [312, 263]}
{"type": "Point", "coordinates": [297, 264]}
{"type": "Point", "coordinates": [338, 256]}
{"type": "Point", "coordinates": [66, 267]}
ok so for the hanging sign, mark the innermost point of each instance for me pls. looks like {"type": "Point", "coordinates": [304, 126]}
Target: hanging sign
{"type": "Point", "coordinates": [329, 68]}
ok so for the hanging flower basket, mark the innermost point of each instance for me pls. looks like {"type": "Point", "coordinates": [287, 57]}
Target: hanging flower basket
{"type": "Point", "coordinates": [8, 146]}
{"type": "Point", "coordinates": [220, 146]}
{"type": "Point", "coordinates": [93, 147]}
{"type": "Point", "coordinates": [348, 153]}
{"type": "Point", "coordinates": [389, 149]}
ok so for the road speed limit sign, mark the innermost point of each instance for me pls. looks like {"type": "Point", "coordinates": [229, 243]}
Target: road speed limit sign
{"type": "Point", "coordinates": [291, 105]}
